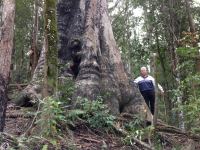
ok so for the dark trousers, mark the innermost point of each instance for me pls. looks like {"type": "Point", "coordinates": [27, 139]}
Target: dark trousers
{"type": "Point", "coordinates": [149, 97]}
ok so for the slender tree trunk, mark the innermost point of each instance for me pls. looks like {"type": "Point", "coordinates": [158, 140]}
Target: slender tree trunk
{"type": "Point", "coordinates": [1, 11]}
{"type": "Point", "coordinates": [6, 46]}
{"type": "Point", "coordinates": [51, 65]}
{"type": "Point", "coordinates": [155, 117]}
{"type": "Point", "coordinates": [34, 55]}
{"type": "Point", "coordinates": [166, 100]}
{"type": "Point", "coordinates": [86, 40]}
{"type": "Point", "coordinates": [190, 18]}
{"type": "Point", "coordinates": [174, 36]}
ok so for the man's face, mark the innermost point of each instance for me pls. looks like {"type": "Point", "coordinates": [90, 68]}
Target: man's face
{"type": "Point", "coordinates": [143, 72]}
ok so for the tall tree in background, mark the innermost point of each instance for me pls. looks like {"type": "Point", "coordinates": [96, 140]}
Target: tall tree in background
{"type": "Point", "coordinates": [190, 18]}
{"type": "Point", "coordinates": [6, 46]}
{"type": "Point", "coordinates": [34, 39]}
{"type": "Point", "coordinates": [50, 39]}
{"type": "Point", "coordinates": [22, 41]}
{"type": "Point", "coordinates": [1, 7]}
{"type": "Point", "coordinates": [44, 80]}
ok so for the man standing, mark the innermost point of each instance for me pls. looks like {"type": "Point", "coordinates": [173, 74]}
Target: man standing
{"type": "Point", "coordinates": [146, 84]}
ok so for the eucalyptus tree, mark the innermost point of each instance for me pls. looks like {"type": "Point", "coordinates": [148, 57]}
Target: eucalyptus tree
{"type": "Point", "coordinates": [6, 46]}
{"type": "Point", "coordinates": [87, 44]}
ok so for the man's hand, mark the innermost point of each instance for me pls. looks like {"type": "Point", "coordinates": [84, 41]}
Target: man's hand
{"type": "Point", "coordinates": [162, 93]}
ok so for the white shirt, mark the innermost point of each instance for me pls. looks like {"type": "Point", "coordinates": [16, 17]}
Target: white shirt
{"type": "Point", "coordinates": [147, 83]}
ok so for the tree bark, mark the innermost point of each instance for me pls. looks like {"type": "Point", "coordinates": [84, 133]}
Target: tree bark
{"type": "Point", "coordinates": [33, 92]}
{"type": "Point", "coordinates": [6, 46]}
{"type": "Point", "coordinates": [51, 65]}
{"type": "Point", "coordinates": [34, 49]}
{"type": "Point", "coordinates": [190, 18]}
{"type": "Point", "coordinates": [86, 41]}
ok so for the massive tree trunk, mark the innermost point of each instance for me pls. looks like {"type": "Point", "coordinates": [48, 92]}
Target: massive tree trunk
{"type": "Point", "coordinates": [6, 46]}
{"type": "Point", "coordinates": [87, 43]}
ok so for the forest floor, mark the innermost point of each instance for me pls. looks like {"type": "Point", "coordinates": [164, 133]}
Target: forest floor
{"type": "Point", "coordinates": [19, 120]}
{"type": "Point", "coordinates": [86, 138]}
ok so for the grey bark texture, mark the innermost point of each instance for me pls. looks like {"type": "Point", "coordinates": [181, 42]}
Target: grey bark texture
{"type": "Point", "coordinates": [6, 46]}
{"type": "Point", "coordinates": [87, 43]}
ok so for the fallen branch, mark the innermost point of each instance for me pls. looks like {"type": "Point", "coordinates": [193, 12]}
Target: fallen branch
{"type": "Point", "coordinates": [19, 115]}
{"type": "Point", "coordinates": [17, 86]}
{"type": "Point", "coordinates": [139, 142]}
{"type": "Point", "coordinates": [22, 84]}
{"type": "Point", "coordinates": [90, 139]}
{"type": "Point", "coordinates": [8, 140]}
{"type": "Point", "coordinates": [161, 127]}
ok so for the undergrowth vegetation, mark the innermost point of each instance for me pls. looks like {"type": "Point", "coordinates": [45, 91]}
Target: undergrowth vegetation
{"type": "Point", "coordinates": [55, 120]}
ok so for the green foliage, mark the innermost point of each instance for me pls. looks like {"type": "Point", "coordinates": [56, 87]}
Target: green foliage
{"type": "Point", "coordinates": [45, 147]}
{"type": "Point", "coordinates": [74, 114]}
{"type": "Point", "coordinates": [66, 90]}
{"type": "Point", "coordinates": [126, 25]}
{"type": "Point", "coordinates": [24, 17]}
{"type": "Point", "coordinates": [23, 29]}
{"type": "Point", "coordinates": [94, 112]}
{"type": "Point", "coordinates": [190, 52]}
{"type": "Point", "coordinates": [135, 129]}
{"type": "Point", "coordinates": [190, 106]}
{"type": "Point", "coordinates": [51, 115]}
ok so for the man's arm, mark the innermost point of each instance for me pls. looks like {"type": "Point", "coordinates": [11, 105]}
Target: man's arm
{"type": "Point", "coordinates": [160, 88]}
{"type": "Point", "coordinates": [137, 80]}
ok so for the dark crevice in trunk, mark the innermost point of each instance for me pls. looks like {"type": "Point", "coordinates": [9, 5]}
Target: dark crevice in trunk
{"type": "Point", "coordinates": [74, 68]}
{"type": "Point", "coordinates": [70, 18]}
{"type": "Point", "coordinates": [70, 27]}
{"type": "Point", "coordinates": [3, 102]}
